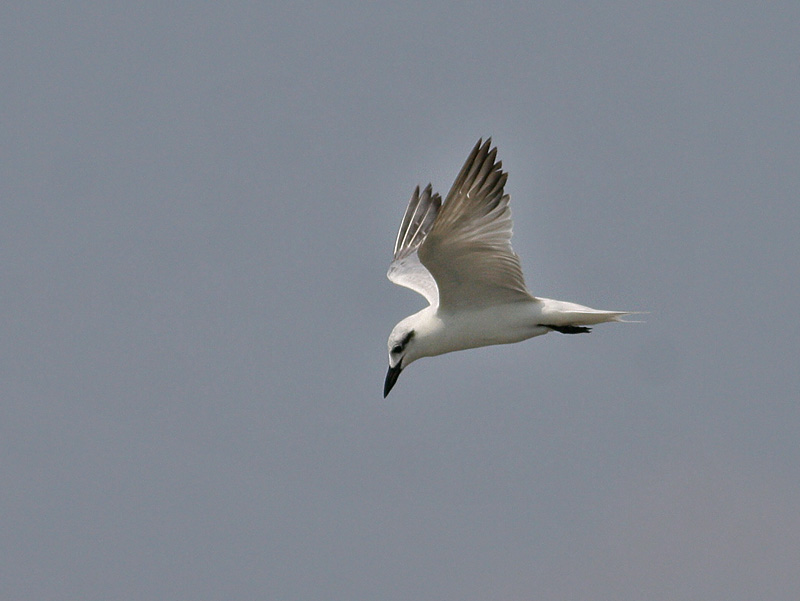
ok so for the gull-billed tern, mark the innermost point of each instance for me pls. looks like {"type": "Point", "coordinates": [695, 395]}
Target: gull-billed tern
{"type": "Point", "coordinates": [458, 255]}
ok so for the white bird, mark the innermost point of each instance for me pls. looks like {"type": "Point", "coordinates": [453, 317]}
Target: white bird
{"type": "Point", "coordinates": [458, 256]}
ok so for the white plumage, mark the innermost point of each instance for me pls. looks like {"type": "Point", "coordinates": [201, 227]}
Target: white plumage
{"type": "Point", "coordinates": [458, 255]}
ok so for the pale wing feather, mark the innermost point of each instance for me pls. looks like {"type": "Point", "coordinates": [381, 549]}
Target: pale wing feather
{"type": "Point", "coordinates": [468, 250]}
{"type": "Point", "coordinates": [406, 268]}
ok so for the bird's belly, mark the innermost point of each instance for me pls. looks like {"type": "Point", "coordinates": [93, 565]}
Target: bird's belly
{"type": "Point", "coordinates": [490, 326]}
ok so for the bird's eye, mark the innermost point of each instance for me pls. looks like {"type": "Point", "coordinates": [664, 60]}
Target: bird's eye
{"type": "Point", "coordinates": [396, 349]}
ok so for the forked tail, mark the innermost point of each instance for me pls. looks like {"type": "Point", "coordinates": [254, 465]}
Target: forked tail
{"type": "Point", "coordinates": [562, 316]}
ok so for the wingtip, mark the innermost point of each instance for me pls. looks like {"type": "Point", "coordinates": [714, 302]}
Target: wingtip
{"type": "Point", "coordinates": [482, 144]}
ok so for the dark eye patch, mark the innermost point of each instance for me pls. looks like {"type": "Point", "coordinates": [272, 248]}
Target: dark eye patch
{"type": "Point", "coordinates": [398, 348]}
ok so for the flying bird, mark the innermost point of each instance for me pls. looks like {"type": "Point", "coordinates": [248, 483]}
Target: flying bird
{"type": "Point", "coordinates": [458, 255]}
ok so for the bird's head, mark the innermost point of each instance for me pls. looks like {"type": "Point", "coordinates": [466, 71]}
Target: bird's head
{"type": "Point", "coordinates": [401, 353]}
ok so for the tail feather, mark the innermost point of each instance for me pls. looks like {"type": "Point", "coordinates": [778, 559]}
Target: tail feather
{"type": "Point", "coordinates": [633, 320]}
{"type": "Point", "coordinates": [562, 313]}
{"type": "Point", "coordinates": [591, 317]}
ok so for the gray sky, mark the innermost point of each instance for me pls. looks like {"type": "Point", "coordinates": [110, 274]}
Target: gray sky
{"type": "Point", "coordinates": [198, 209]}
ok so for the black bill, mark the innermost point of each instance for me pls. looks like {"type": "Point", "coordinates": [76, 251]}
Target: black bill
{"type": "Point", "coordinates": [391, 378]}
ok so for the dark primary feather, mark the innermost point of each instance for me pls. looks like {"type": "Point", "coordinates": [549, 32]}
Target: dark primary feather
{"type": "Point", "coordinates": [468, 249]}
{"type": "Point", "coordinates": [417, 221]}
{"type": "Point", "coordinates": [406, 269]}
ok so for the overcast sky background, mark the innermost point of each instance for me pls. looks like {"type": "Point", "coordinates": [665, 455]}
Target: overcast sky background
{"type": "Point", "coordinates": [199, 203]}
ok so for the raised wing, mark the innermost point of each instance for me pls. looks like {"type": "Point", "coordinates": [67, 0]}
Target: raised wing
{"type": "Point", "coordinates": [468, 250]}
{"type": "Point", "coordinates": [406, 269]}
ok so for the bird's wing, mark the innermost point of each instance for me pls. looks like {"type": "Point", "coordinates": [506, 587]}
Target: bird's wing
{"type": "Point", "coordinates": [468, 250]}
{"type": "Point", "coordinates": [406, 269]}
